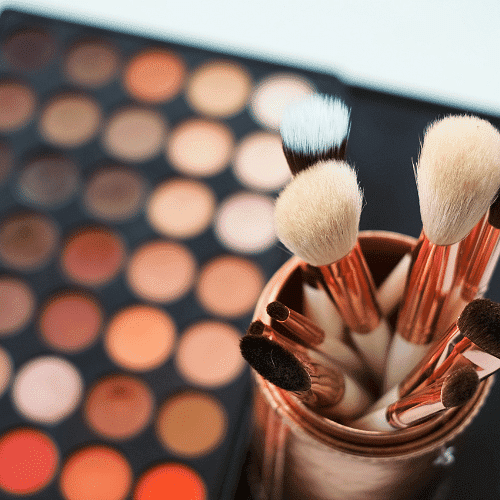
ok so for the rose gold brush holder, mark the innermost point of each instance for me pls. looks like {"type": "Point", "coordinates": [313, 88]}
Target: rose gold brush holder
{"type": "Point", "coordinates": [299, 455]}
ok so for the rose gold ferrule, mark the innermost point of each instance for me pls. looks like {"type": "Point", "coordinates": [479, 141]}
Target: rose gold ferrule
{"type": "Point", "coordinates": [430, 278]}
{"type": "Point", "coordinates": [417, 406]}
{"type": "Point", "coordinates": [303, 328]}
{"type": "Point", "coordinates": [351, 287]}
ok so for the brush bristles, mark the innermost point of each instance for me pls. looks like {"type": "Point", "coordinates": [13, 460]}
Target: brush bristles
{"type": "Point", "coordinates": [317, 214]}
{"type": "Point", "coordinates": [256, 328]}
{"type": "Point", "coordinates": [480, 323]}
{"type": "Point", "coordinates": [458, 176]}
{"type": "Point", "coordinates": [459, 387]}
{"type": "Point", "coordinates": [277, 311]}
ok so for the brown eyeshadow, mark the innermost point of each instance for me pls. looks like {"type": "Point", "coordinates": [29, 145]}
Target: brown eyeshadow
{"type": "Point", "coordinates": [6, 370]}
{"type": "Point", "coordinates": [119, 406]}
{"type": "Point", "coordinates": [17, 105]}
{"type": "Point", "coordinates": [191, 424]}
{"type": "Point", "coordinates": [27, 241]}
{"type": "Point", "coordinates": [18, 304]}
{"type": "Point", "coordinates": [6, 161]}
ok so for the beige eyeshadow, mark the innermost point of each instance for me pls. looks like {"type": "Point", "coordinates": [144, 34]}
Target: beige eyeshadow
{"type": "Point", "coordinates": [115, 194]}
{"type": "Point", "coordinates": [91, 63]}
{"type": "Point", "coordinates": [208, 354]}
{"type": "Point", "coordinates": [6, 369]}
{"type": "Point", "coordinates": [118, 406]}
{"type": "Point", "coordinates": [140, 337]}
{"type": "Point", "coordinates": [259, 162]}
{"type": "Point", "coordinates": [244, 223]}
{"type": "Point", "coordinates": [229, 286]}
{"type": "Point", "coordinates": [219, 88]}
{"type": "Point", "coordinates": [134, 134]}
{"type": "Point", "coordinates": [18, 304]}
{"type": "Point", "coordinates": [70, 120]}
{"type": "Point", "coordinates": [161, 271]}
{"type": "Point", "coordinates": [48, 181]}
{"type": "Point", "coordinates": [200, 148]}
{"type": "Point", "coordinates": [181, 208]}
{"type": "Point", "coordinates": [274, 93]}
{"type": "Point", "coordinates": [27, 241]}
{"type": "Point", "coordinates": [191, 424]}
{"type": "Point", "coordinates": [17, 105]}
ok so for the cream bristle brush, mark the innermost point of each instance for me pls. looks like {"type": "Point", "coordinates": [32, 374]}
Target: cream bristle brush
{"type": "Point", "coordinates": [457, 177]}
{"type": "Point", "coordinates": [317, 218]}
{"type": "Point", "coordinates": [314, 128]}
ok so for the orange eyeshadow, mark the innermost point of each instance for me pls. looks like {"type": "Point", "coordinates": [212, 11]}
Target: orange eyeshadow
{"type": "Point", "coordinates": [181, 483]}
{"type": "Point", "coordinates": [28, 461]}
{"type": "Point", "coordinates": [17, 105]}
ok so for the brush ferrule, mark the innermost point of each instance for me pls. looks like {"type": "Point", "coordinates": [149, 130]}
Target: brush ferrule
{"type": "Point", "coordinates": [303, 328]}
{"type": "Point", "coordinates": [351, 287]}
{"type": "Point", "coordinates": [327, 386]}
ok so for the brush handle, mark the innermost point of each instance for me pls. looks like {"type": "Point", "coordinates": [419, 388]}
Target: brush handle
{"type": "Point", "coordinates": [376, 420]}
{"type": "Point", "coordinates": [390, 292]}
{"type": "Point", "coordinates": [355, 401]}
{"type": "Point", "coordinates": [391, 396]}
{"type": "Point", "coordinates": [343, 355]}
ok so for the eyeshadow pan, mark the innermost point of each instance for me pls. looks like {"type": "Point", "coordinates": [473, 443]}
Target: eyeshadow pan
{"type": "Point", "coordinates": [118, 406]}
{"type": "Point", "coordinates": [200, 148]}
{"type": "Point", "coordinates": [6, 161]}
{"type": "Point", "coordinates": [134, 134]}
{"type": "Point", "coordinates": [208, 354]}
{"type": "Point", "coordinates": [219, 88]}
{"type": "Point", "coordinates": [28, 461]}
{"type": "Point", "coordinates": [181, 208]}
{"type": "Point", "coordinates": [17, 105]}
{"type": "Point", "coordinates": [27, 241]}
{"type": "Point", "coordinates": [17, 305]}
{"type": "Point", "coordinates": [91, 63]}
{"type": "Point", "coordinates": [6, 369]}
{"type": "Point", "coordinates": [244, 223]}
{"type": "Point", "coordinates": [140, 337]}
{"type": "Point", "coordinates": [115, 194]}
{"type": "Point", "coordinates": [70, 321]}
{"type": "Point", "coordinates": [47, 389]}
{"type": "Point", "coordinates": [70, 120]}
{"type": "Point", "coordinates": [161, 271]}
{"type": "Point", "coordinates": [29, 48]}
{"type": "Point", "coordinates": [48, 181]}
{"type": "Point", "coordinates": [191, 424]}
{"type": "Point", "coordinates": [92, 256]}
{"type": "Point", "coordinates": [181, 482]}
{"type": "Point", "coordinates": [274, 93]}
{"type": "Point", "coordinates": [154, 75]}
{"type": "Point", "coordinates": [229, 286]}
{"type": "Point", "coordinates": [259, 162]}
{"type": "Point", "coordinates": [96, 472]}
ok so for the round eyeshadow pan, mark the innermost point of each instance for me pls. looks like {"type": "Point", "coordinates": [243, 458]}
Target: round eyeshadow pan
{"type": "Point", "coordinates": [6, 370]}
{"type": "Point", "coordinates": [259, 162]}
{"type": "Point", "coordinates": [161, 271]}
{"type": "Point", "coordinates": [219, 88]}
{"type": "Point", "coordinates": [48, 181]}
{"type": "Point", "coordinates": [6, 161]}
{"type": "Point", "coordinates": [93, 256]}
{"type": "Point", "coordinates": [154, 75]}
{"type": "Point", "coordinates": [134, 134]}
{"type": "Point", "coordinates": [18, 303]}
{"type": "Point", "coordinates": [91, 63]}
{"type": "Point", "coordinates": [115, 194]}
{"type": "Point", "coordinates": [70, 321]}
{"type": "Point", "coordinates": [47, 389]}
{"type": "Point", "coordinates": [96, 472]}
{"type": "Point", "coordinates": [208, 354]}
{"type": "Point", "coordinates": [28, 461]}
{"type": "Point", "coordinates": [140, 338]}
{"type": "Point", "coordinates": [200, 148]}
{"type": "Point", "coordinates": [191, 424]}
{"type": "Point", "coordinates": [17, 105]}
{"type": "Point", "coordinates": [27, 241]}
{"type": "Point", "coordinates": [118, 406]}
{"type": "Point", "coordinates": [182, 483]}
{"type": "Point", "coordinates": [181, 208]}
{"type": "Point", "coordinates": [244, 223]}
{"type": "Point", "coordinates": [70, 120]}
{"type": "Point", "coordinates": [229, 286]}
{"type": "Point", "coordinates": [274, 93]}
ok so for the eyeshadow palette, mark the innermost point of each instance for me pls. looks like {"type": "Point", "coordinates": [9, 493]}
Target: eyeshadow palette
{"type": "Point", "coordinates": [137, 180]}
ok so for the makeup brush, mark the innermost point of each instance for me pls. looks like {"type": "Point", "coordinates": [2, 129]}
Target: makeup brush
{"type": "Point", "coordinates": [313, 336]}
{"type": "Point", "coordinates": [449, 391]}
{"type": "Point", "coordinates": [325, 389]}
{"type": "Point", "coordinates": [473, 340]}
{"type": "Point", "coordinates": [457, 176]}
{"type": "Point", "coordinates": [314, 128]}
{"type": "Point", "coordinates": [317, 218]}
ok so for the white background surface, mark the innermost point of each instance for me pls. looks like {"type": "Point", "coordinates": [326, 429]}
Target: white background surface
{"type": "Point", "coordinates": [446, 51]}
